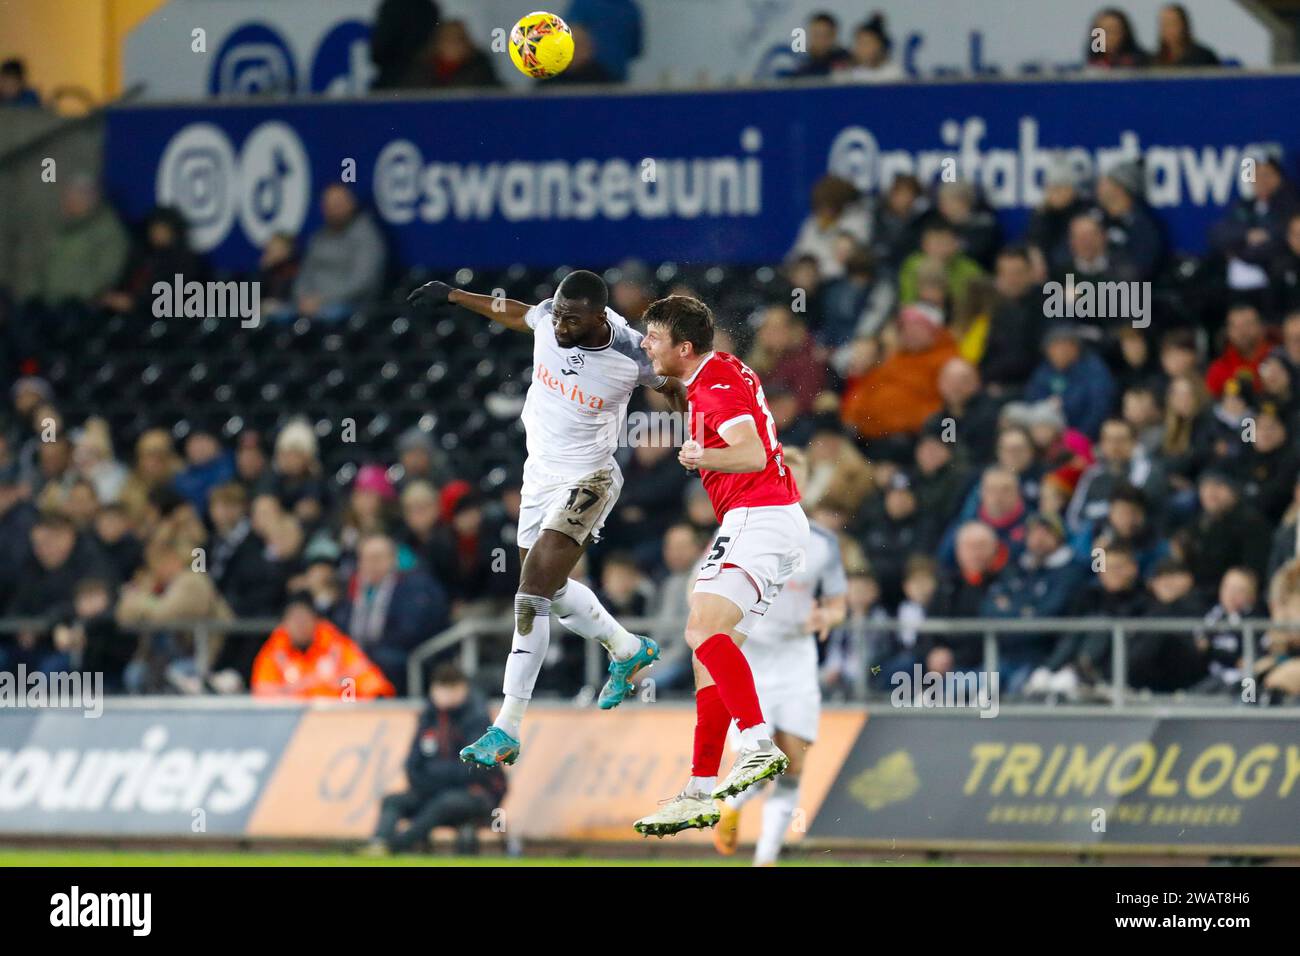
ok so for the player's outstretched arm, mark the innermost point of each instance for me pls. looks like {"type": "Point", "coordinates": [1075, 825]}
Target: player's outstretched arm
{"type": "Point", "coordinates": [509, 312]}
{"type": "Point", "coordinates": [744, 451]}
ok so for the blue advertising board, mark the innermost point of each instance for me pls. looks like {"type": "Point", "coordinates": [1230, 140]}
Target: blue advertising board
{"type": "Point", "coordinates": [547, 179]}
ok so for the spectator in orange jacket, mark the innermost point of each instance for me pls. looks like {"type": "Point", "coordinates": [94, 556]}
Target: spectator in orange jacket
{"type": "Point", "coordinates": [307, 656]}
{"type": "Point", "coordinates": [898, 395]}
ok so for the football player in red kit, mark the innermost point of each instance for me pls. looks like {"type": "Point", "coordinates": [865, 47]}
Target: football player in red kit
{"type": "Point", "coordinates": [759, 545]}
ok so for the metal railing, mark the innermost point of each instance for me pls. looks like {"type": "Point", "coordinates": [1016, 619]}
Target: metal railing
{"type": "Point", "coordinates": [467, 635]}
{"type": "Point", "coordinates": [203, 630]}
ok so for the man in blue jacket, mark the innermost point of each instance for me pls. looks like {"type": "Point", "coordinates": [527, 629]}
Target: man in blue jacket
{"type": "Point", "coordinates": [1076, 377]}
{"type": "Point", "coordinates": [1039, 585]}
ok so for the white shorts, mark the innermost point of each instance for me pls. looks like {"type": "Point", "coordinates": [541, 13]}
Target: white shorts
{"type": "Point", "coordinates": [785, 675]}
{"type": "Point", "coordinates": [576, 506]}
{"type": "Point", "coordinates": [755, 551]}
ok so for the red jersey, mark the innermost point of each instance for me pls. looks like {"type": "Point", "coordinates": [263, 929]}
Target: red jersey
{"type": "Point", "coordinates": [725, 390]}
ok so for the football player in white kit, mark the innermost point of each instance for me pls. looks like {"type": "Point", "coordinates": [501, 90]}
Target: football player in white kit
{"type": "Point", "coordinates": [587, 361]}
{"type": "Point", "coordinates": [782, 650]}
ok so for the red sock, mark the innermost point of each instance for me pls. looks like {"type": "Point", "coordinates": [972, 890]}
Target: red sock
{"type": "Point", "coordinates": [730, 671]}
{"type": "Point", "coordinates": [711, 720]}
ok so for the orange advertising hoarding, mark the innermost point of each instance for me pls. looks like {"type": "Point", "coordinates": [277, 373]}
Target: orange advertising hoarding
{"type": "Point", "coordinates": [335, 769]}
{"type": "Point", "coordinates": [582, 775]}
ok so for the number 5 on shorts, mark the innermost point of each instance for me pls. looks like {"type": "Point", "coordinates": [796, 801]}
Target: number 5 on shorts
{"type": "Point", "coordinates": [716, 553]}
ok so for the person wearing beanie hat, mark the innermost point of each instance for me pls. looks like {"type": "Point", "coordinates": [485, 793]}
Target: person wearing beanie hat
{"type": "Point", "coordinates": [1136, 242]}
{"type": "Point", "coordinates": [1057, 445]}
{"type": "Point", "coordinates": [420, 458]}
{"type": "Point", "coordinates": [297, 436]}
{"type": "Point", "coordinates": [1268, 465]}
{"type": "Point", "coordinates": [894, 529]}
{"type": "Point", "coordinates": [1164, 662]}
{"type": "Point", "coordinates": [370, 508]}
{"type": "Point", "coordinates": [321, 576]}
{"type": "Point", "coordinates": [977, 229]}
{"type": "Point", "coordinates": [374, 478]}
{"type": "Point", "coordinates": [296, 477]}
{"type": "Point", "coordinates": [1074, 376]}
{"type": "Point", "coordinates": [1049, 226]}
{"type": "Point", "coordinates": [1227, 532]}
{"type": "Point", "coordinates": [942, 474]}
{"type": "Point", "coordinates": [1127, 175]}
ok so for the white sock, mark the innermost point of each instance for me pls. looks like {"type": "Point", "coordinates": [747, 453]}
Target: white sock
{"type": "Point", "coordinates": [703, 785]}
{"type": "Point", "coordinates": [527, 652]}
{"type": "Point", "coordinates": [777, 811]}
{"type": "Point", "coordinates": [738, 800]}
{"type": "Point", "coordinates": [750, 736]}
{"type": "Point", "coordinates": [511, 715]}
{"type": "Point", "coordinates": [578, 609]}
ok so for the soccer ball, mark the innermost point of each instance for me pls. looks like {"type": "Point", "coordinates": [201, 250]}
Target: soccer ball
{"type": "Point", "coordinates": [541, 45]}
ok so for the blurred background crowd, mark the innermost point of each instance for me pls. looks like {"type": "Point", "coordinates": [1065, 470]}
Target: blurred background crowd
{"type": "Point", "coordinates": [977, 458]}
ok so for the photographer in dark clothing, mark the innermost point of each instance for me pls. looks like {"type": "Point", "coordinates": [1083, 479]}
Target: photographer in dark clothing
{"type": "Point", "coordinates": [442, 791]}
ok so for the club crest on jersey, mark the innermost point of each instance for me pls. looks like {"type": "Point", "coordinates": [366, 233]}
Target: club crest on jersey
{"type": "Point", "coordinates": [576, 360]}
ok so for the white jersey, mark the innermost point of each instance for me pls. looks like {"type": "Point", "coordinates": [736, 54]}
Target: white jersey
{"type": "Point", "coordinates": [577, 401]}
{"type": "Point", "coordinates": [821, 576]}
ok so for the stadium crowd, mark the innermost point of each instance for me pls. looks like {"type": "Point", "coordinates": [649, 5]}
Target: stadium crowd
{"type": "Point", "coordinates": [415, 45]}
{"type": "Point", "coordinates": [978, 457]}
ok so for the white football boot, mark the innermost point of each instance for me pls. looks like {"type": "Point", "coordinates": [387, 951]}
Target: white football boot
{"type": "Point", "coordinates": [751, 767]}
{"type": "Point", "coordinates": [686, 811]}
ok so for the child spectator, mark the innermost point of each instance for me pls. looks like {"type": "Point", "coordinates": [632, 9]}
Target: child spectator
{"type": "Point", "coordinates": [1222, 643]}
{"type": "Point", "coordinates": [89, 640]}
{"type": "Point", "coordinates": [1168, 661]}
{"type": "Point", "coordinates": [842, 660]}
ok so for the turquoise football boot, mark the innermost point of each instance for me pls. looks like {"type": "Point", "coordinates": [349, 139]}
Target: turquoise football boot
{"type": "Point", "coordinates": [494, 748]}
{"type": "Point", "coordinates": [619, 686]}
